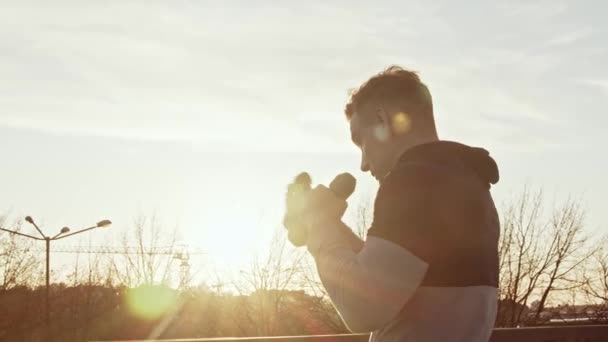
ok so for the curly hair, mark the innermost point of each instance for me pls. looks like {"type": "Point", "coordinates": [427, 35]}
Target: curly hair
{"type": "Point", "coordinates": [395, 85]}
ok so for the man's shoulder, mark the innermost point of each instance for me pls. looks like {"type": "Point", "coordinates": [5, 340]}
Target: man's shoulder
{"type": "Point", "coordinates": [415, 178]}
{"type": "Point", "coordinates": [426, 178]}
{"type": "Point", "coordinates": [432, 197]}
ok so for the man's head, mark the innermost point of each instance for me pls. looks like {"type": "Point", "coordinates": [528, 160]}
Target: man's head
{"type": "Point", "coordinates": [388, 114]}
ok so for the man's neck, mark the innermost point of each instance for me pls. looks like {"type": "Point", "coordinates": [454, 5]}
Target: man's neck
{"type": "Point", "coordinates": [411, 143]}
{"type": "Point", "coordinates": [408, 144]}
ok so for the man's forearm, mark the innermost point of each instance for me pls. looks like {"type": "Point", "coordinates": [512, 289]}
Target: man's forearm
{"type": "Point", "coordinates": [369, 282]}
{"type": "Point", "coordinates": [334, 234]}
{"type": "Point", "coordinates": [354, 241]}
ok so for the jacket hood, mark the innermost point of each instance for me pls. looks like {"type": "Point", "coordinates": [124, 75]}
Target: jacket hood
{"type": "Point", "coordinates": [475, 159]}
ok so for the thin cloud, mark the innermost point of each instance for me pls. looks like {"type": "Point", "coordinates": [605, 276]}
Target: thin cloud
{"type": "Point", "coordinates": [570, 37]}
{"type": "Point", "coordinates": [542, 9]}
{"type": "Point", "coordinates": [156, 70]}
{"type": "Point", "coordinates": [598, 84]}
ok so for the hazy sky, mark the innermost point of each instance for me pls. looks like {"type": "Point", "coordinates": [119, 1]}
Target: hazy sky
{"type": "Point", "coordinates": [202, 111]}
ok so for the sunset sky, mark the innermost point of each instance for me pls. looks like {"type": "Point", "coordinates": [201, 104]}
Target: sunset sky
{"type": "Point", "coordinates": [201, 112]}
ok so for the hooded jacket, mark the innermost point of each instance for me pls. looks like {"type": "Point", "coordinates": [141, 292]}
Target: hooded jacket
{"type": "Point", "coordinates": [428, 270]}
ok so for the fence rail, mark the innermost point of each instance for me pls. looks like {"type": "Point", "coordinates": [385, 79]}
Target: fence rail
{"type": "Point", "coordinates": [587, 333]}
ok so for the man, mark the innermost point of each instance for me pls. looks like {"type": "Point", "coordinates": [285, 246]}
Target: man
{"type": "Point", "coordinates": [428, 270]}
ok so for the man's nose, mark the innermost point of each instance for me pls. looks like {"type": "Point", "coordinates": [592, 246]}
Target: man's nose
{"type": "Point", "coordinates": [364, 165]}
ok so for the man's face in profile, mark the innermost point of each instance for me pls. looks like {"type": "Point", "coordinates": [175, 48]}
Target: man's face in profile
{"type": "Point", "coordinates": [371, 133]}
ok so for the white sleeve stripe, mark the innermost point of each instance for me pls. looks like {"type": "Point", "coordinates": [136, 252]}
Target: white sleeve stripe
{"type": "Point", "coordinates": [370, 288]}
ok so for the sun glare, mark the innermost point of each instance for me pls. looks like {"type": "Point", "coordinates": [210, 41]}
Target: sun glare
{"type": "Point", "coordinates": [150, 302]}
{"type": "Point", "coordinates": [401, 122]}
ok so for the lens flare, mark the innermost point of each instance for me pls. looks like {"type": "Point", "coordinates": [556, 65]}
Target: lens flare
{"type": "Point", "coordinates": [150, 302]}
{"type": "Point", "coordinates": [401, 123]}
{"type": "Point", "coordinates": [380, 132]}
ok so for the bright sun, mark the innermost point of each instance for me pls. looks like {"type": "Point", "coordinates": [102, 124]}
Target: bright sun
{"type": "Point", "coordinates": [233, 246]}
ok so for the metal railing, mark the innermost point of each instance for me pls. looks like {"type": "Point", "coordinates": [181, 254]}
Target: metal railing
{"type": "Point", "coordinates": [581, 333]}
{"type": "Point", "coordinates": [587, 333]}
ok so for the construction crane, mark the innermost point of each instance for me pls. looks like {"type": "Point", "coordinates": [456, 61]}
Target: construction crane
{"type": "Point", "coordinates": [180, 252]}
{"type": "Point", "coordinates": [157, 250]}
{"type": "Point", "coordinates": [184, 268]}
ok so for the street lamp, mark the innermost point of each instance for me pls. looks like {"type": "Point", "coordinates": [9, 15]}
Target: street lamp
{"type": "Point", "coordinates": [63, 233]}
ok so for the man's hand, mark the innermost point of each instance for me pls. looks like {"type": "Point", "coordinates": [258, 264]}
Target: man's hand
{"type": "Point", "coordinates": [296, 197]}
{"type": "Point", "coordinates": [306, 208]}
{"type": "Point", "coordinates": [322, 217]}
{"type": "Point", "coordinates": [323, 206]}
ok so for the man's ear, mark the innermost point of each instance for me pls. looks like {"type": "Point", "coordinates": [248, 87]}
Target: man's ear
{"type": "Point", "coordinates": [382, 124]}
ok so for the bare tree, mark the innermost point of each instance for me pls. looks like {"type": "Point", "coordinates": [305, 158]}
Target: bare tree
{"type": "Point", "coordinates": [520, 261]}
{"type": "Point", "coordinates": [268, 283]}
{"type": "Point", "coordinates": [539, 256]}
{"type": "Point", "coordinates": [568, 251]}
{"type": "Point", "coordinates": [322, 308]}
{"type": "Point", "coordinates": [148, 254]}
{"type": "Point", "coordinates": [596, 283]}
{"type": "Point", "coordinates": [18, 260]}
{"type": "Point", "coordinates": [364, 217]}
{"type": "Point", "coordinates": [269, 279]}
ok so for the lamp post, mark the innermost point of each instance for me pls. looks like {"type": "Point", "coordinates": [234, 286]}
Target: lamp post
{"type": "Point", "coordinates": [63, 233]}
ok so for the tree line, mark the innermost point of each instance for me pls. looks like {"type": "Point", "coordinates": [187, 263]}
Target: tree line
{"type": "Point", "coordinates": [553, 270]}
